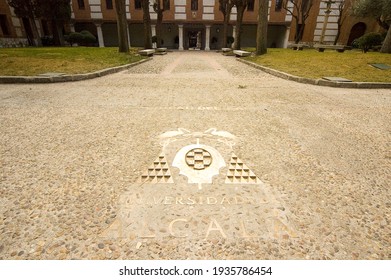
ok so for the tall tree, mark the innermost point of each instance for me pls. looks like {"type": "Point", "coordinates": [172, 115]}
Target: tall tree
{"type": "Point", "coordinates": [300, 11]}
{"type": "Point", "coordinates": [263, 12]}
{"type": "Point", "coordinates": [379, 10]}
{"type": "Point", "coordinates": [147, 24]}
{"type": "Point", "coordinates": [57, 12]}
{"type": "Point", "coordinates": [122, 25]}
{"type": "Point", "coordinates": [241, 6]}
{"type": "Point", "coordinates": [160, 6]}
{"type": "Point", "coordinates": [27, 9]}
{"type": "Point", "coordinates": [386, 47]}
{"type": "Point", "coordinates": [344, 8]}
{"type": "Point", "coordinates": [226, 8]}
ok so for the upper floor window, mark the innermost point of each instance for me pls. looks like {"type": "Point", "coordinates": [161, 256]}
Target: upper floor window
{"type": "Point", "coordinates": [137, 4]}
{"type": "Point", "coordinates": [109, 4]}
{"type": "Point", "coordinates": [250, 5]}
{"type": "Point", "coordinates": [4, 25]}
{"type": "Point", "coordinates": [278, 6]}
{"type": "Point", "coordinates": [80, 3]}
{"type": "Point", "coordinates": [194, 5]}
{"type": "Point", "coordinates": [166, 5]}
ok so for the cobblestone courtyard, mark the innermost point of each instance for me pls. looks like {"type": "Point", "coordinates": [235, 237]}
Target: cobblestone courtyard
{"type": "Point", "coordinates": [70, 151]}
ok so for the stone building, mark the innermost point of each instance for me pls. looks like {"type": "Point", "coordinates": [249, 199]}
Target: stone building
{"type": "Point", "coordinates": [190, 24]}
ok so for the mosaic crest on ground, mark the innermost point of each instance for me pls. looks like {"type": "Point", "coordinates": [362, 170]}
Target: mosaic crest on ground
{"type": "Point", "coordinates": [198, 188]}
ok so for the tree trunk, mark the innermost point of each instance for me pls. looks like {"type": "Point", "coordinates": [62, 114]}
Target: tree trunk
{"type": "Point", "coordinates": [34, 29]}
{"type": "Point", "coordinates": [225, 30]}
{"type": "Point", "coordinates": [122, 26]}
{"type": "Point", "coordinates": [147, 24]}
{"type": "Point", "coordinates": [382, 23]}
{"type": "Point", "coordinates": [262, 27]}
{"type": "Point", "coordinates": [58, 37]}
{"type": "Point", "coordinates": [299, 32]}
{"type": "Point", "coordinates": [341, 19]}
{"type": "Point", "coordinates": [238, 31]}
{"type": "Point", "coordinates": [339, 26]}
{"type": "Point", "coordinates": [386, 47]}
{"type": "Point", "coordinates": [159, 32]}
{"type": "Point", "coordinates": [337, 36]}
{"type": "Point", "coordinates": [227, 16]}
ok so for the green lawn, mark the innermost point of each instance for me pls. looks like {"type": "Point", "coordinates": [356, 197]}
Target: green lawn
{"type": "Point", "coordinates": [70, 60]}
{"type": "Point", "coordinates": [353, 65]}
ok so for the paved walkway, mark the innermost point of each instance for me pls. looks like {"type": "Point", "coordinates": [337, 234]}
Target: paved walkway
{"type": "Point", "coordinates": [70, 151]}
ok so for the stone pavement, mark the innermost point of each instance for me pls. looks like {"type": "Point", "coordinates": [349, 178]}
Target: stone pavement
{"type": "Point", "coordinates": [194, 155]}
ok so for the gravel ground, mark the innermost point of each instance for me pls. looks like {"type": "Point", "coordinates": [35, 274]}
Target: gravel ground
{"type": "Point", "coordinates": [68, 152]}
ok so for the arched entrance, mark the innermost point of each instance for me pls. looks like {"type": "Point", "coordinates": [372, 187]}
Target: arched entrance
{"type": "Point", "coordinates": [356, 32]}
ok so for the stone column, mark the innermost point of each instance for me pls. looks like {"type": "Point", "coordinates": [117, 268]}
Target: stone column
{"type": "Point", "coordinates": [233, 35]}
{"type": "Point", "coordinates": [286, 39]}
{"type": "Point", "coordinates": [207, 38]}
{"type": "Point", "coordinates": [72, 26]}
{"type": "Point", "coordinates": [100, 34]}
{"type": "Point", "coordinates": [129, 35]}
{"type": "Point", "coordinates": [153, 31]}
{"type": "Point", "coordinates": [180, 27]}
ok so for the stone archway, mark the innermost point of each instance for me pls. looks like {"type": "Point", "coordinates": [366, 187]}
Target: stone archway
{"type": "Point", "coordinates": [356, 32]}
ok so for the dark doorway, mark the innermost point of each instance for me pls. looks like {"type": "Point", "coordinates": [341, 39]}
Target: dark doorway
{"type": "Point", "coordinates": [192, 39]}
{"type": "Point", "coordinates": [4, 25]}
{"type": "Point", "coordinates": [356, 32]}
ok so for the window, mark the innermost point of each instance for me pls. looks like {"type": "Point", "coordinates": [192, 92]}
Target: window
{"type": "Point", "coordinates": [194, 5]}
{"type": "Point", "coordinates": [166, 5]}
{"type": "Point", "coordinates": [278, 5]}
{"type": "Point", "coordinates": [4, 25]}
{"type": "Point", "coordinates": [137, 4]}
{"type": "Point", "coordinates": [81, 4]}
{"type": "Point", "coordinates": [250, 5]}
{"type": "Point", "coordinates": [109, 4]}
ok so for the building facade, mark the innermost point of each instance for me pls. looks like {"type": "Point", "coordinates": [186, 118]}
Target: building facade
{"type": "Point", "coordinates": [191, 24]}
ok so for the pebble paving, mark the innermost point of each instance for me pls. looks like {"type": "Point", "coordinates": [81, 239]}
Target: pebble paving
{"type": "Point", "coordinates": [69, 151]}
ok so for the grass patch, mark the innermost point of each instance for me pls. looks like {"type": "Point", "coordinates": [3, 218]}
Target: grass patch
{"type": "Point", "coordinates": [310, 63]}
{"type": "Point", "coordinates": [69, 60]}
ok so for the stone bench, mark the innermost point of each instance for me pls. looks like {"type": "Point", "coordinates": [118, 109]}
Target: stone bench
{"type": "Point", "coordinates": [161, 51]}
{"type": "Point", "coordinates": [226, 50]}
{"type": "Point", "coordinates": [338, 48]}
{"type": "Point", "coordinates": [240, 53]}
{"type": "Point", "coordinates": [147, 52]}
{"type": "Point", "coordinates": [297, 47]}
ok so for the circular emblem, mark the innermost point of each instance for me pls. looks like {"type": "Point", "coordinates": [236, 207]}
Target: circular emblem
{"type": "Point", "coordinates": [198, 158]}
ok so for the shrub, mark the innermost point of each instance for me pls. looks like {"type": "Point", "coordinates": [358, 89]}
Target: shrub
{"type": "Point", "coordinates": [230, 40]}
{"type": "Point", "coordinates": [369, 40]}
{"type": "Point", "coordinates": [154, 40]}
{"type": "Point", "coordinates": [74, 38]}
{"type": "Point", "coordinates": [47, 41]}
{"type": "Point", "coordinates": [88, 38]}
{"type": "Point", "coordinates": [355, 44]}
{"type": "Point", "coordinates": [84, 38]}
